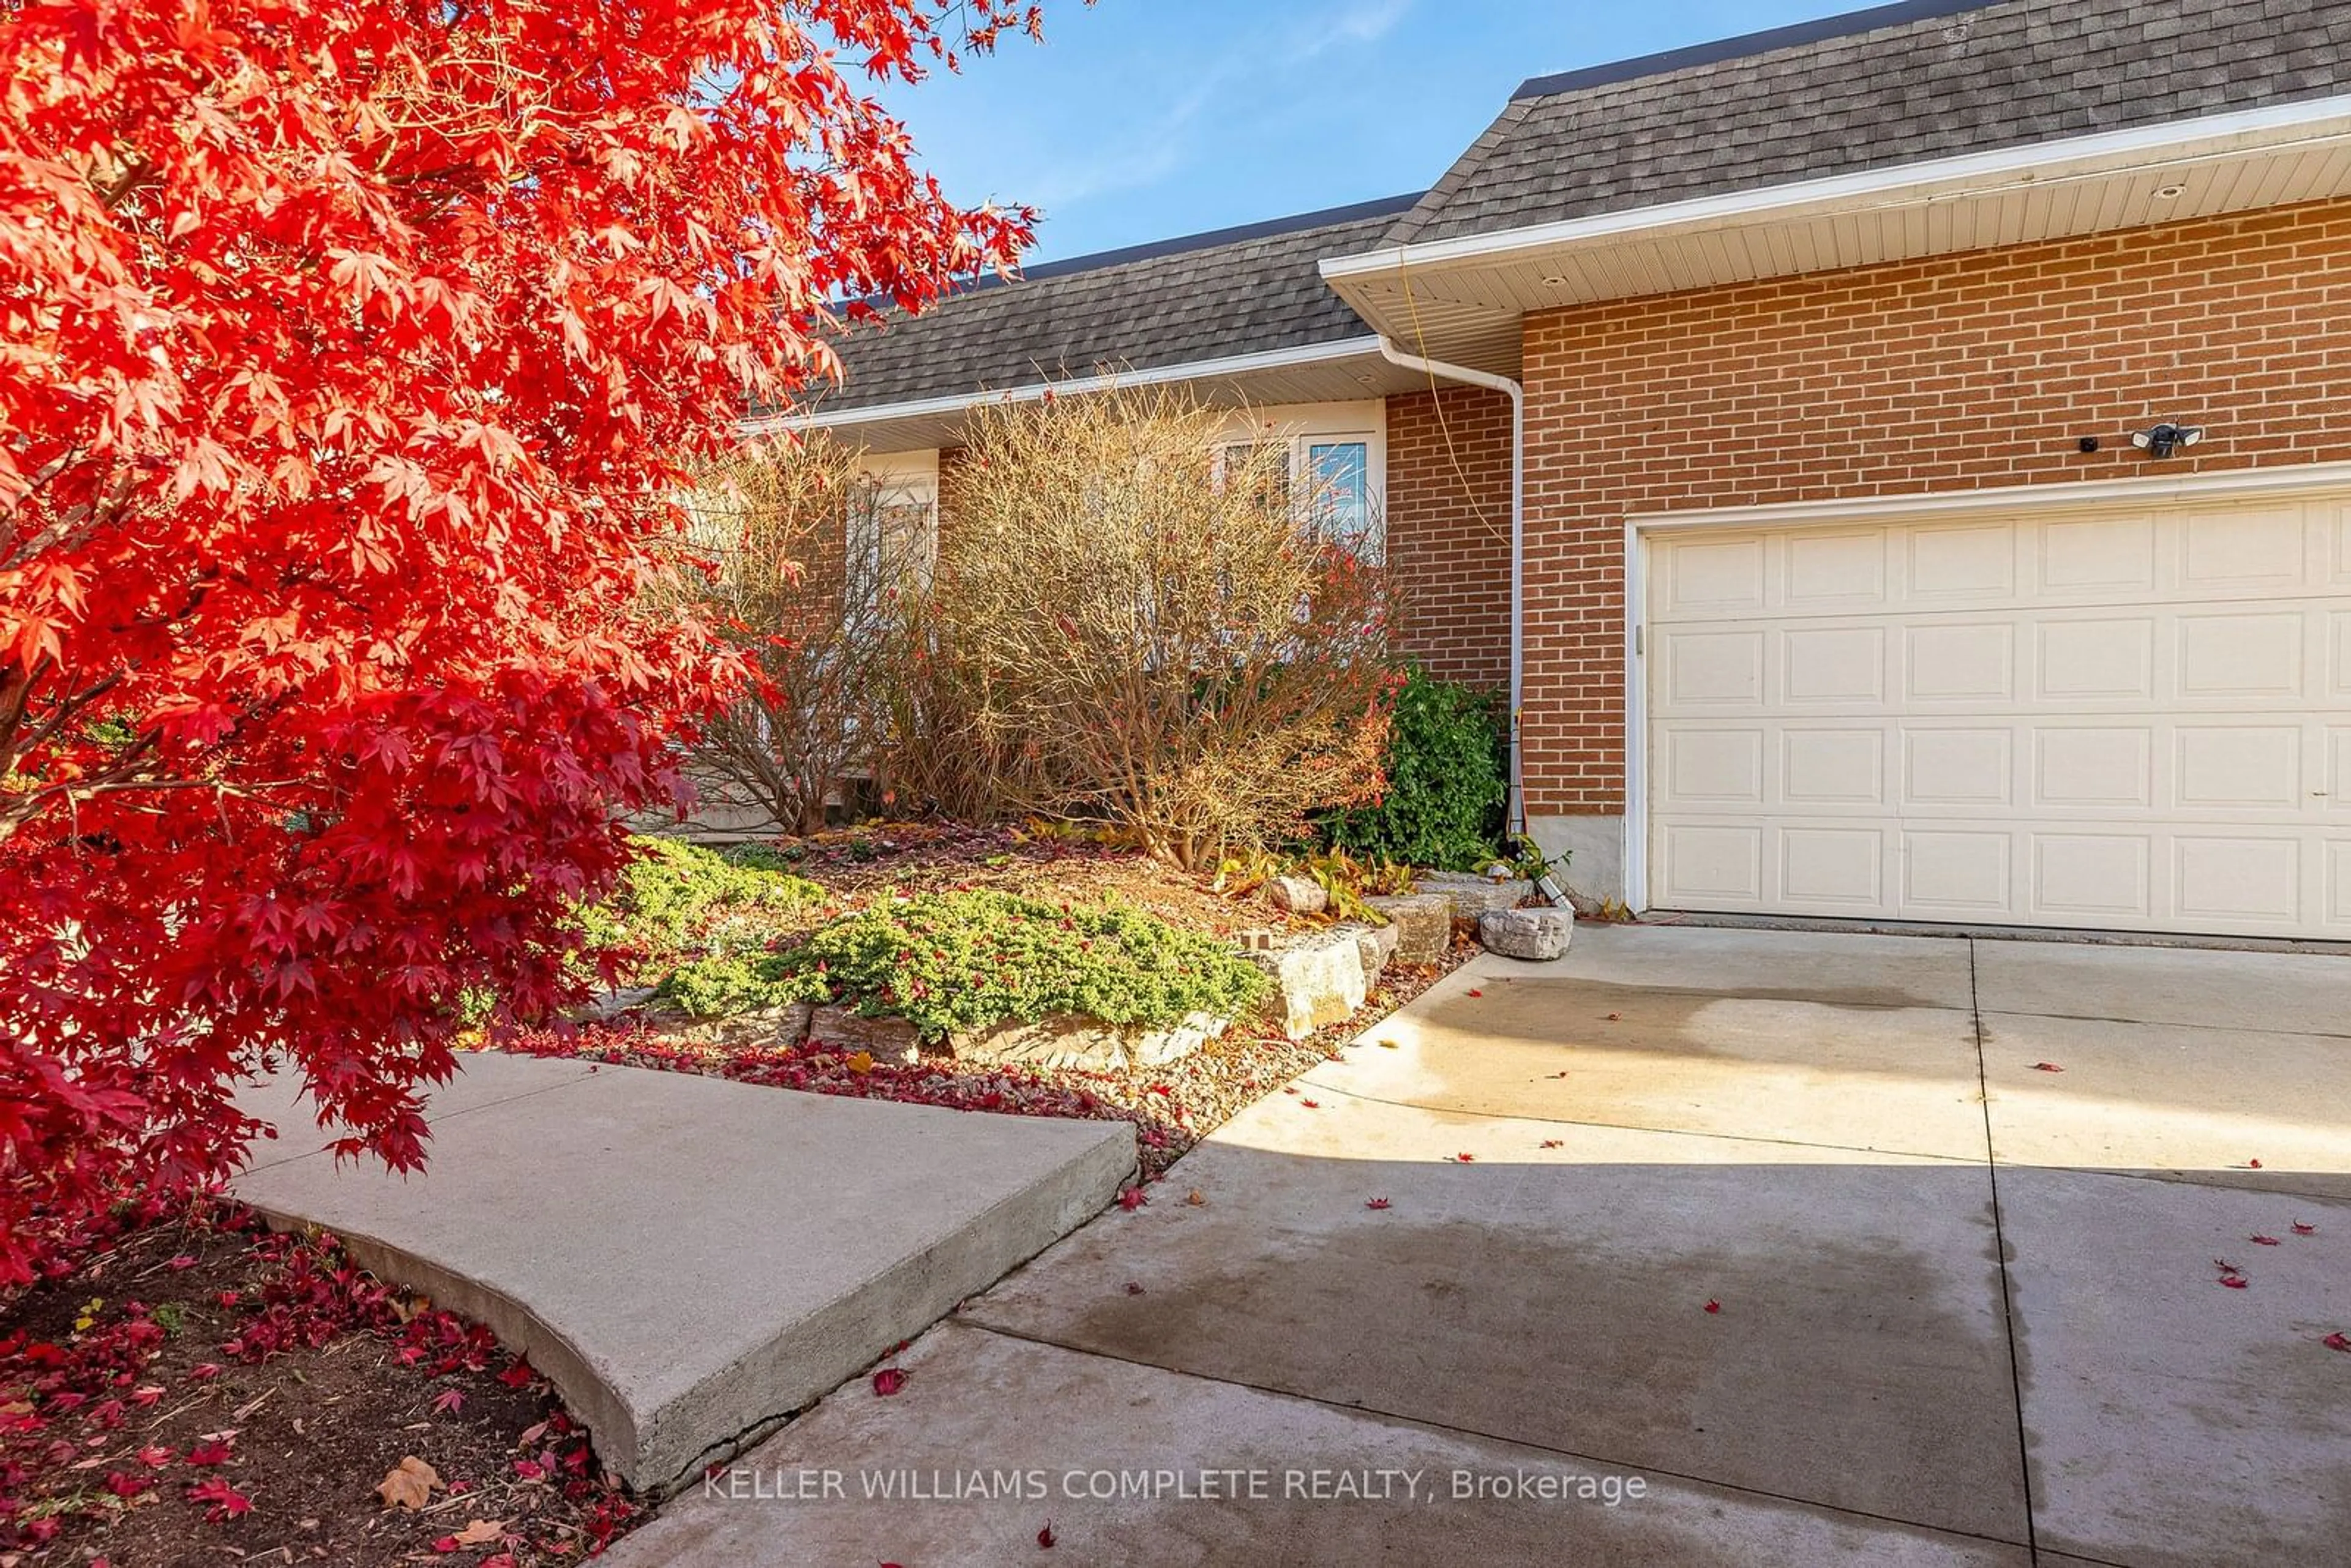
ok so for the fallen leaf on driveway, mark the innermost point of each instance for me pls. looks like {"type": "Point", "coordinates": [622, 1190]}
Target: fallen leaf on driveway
{"type": "Point", "coordinates": [1045, 1537]}
{"type": "Point", "coordinates": [1712, 1305]}
{"type": "Point", "coordinates": [1311, 1104]}
{"type": "Point", "coordinates": [1133, 1198]}
{"type": "Point", "coordinates": [1552, 1143]}
{"type": "Point", "coordinates": [888, 1381]}
{"type": "Point", "coordinates": [2235, 1282]}
{"type": "Point", "coordinates": [1134, 1289]}
{"type": "Point", "coordinates": [2267, 1241]}
{"type": "Point", "coordinates": [1197, 1198]}
{"type": "Point", "coordinates": [2302, 1229]}
{"type": "Point", "coordinates": [409, 1484]}
{"type": "Point", "coordinates": [1615, 1018]}
{"type": "Point", "coordinates": [2046, 1067]}
{"type": "Point", "coordinates": [1477, 993]}
{"type": "Point", "coordinates": [1463, 1159]}
{"type": "Point", "coordinates": [2336, 1341]}
{"type": "Point", "coordinates": [1377, 1203]}
{"type": "Point", "coordinates": [2253, 1164]}
{"type": "Point", "coordinates": [1387, 1045]}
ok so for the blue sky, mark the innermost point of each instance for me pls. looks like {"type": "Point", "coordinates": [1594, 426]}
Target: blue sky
{"type": "Point", "coordinates": [1138, 119]}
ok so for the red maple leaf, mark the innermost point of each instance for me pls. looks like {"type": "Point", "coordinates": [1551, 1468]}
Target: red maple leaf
{"type": "Point", "coordinates": [224, 1501]}
{"type": "Point", "coordinates": [1133, 1287]}
{"type": "Point", "coordinates": [1132, 1199]}
{"type": "Point", "coordinates": [2046, 1067]}
{"type": "Point", "coordinates": [1475, 993]}
{"type": "Point", "coordinates": [2336, 1340]}
{"type": "Point", "coordinates": [1462, 1159]}
{"type": "Point", "coordinates": [1712, 1305]}
{"type": "Point", "coordinates": [2253, 1164]}
{"type": "Point", "coordinates": [1376, 1203]}
{"type": "Point", "coordinates": [2267, 1241]}
{"type": "Point", "coordinates": [1311, 1104]}
{"type": "Point", "coordinates": [1045, 1537]}
{"type": "Point", "coordinates": [2302, 1229]}
{"type": "Point", "coordinates": [1553, 1144]}
{"type": "Point", "coordinates": [2234, 1282]}
{"type": "Point", "coordinates": [448, 1401]}
{"type": "Point", "coordinates": [211, 1451]}
{"type": "Point", "coordinates": [889, 1380]}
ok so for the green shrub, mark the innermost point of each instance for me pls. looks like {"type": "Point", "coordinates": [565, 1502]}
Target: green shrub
{"type": "Point", "coordinates": [674, 893]}
{"type": "Point", "coordinates": [969, 960]}
{"type": "Point", "coordinates": [1447, 782]}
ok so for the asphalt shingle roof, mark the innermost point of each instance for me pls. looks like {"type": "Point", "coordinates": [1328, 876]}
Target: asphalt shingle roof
{"type": "Point", "coordinates": [1897, 85]}
{"type": "Point", "coordinates": [1237, 291]}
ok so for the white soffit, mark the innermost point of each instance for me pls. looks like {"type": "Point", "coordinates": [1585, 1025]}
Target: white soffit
{"type": "Point", "coordinates": [1462, 299]}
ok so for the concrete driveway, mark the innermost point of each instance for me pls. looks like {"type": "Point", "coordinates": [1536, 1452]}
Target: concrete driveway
{"type": "Point", "coordinates": [1700, 1246]}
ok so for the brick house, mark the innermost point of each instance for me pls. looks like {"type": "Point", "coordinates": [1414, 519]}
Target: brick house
{"type": "Point", "coordinates": [1928, 496]}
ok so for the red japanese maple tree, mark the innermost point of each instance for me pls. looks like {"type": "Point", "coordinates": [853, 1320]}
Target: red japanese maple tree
{"type": "Point", "coordinates": [351, 352]}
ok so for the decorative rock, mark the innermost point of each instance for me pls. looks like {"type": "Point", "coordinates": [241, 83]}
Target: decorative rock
{"type": "Point", "coordinates": [884, 1039]}
{"type": "Point", "coordinates": [1423, 924]}
{"type": "Point", "coordinates": [1474, 896]}
{"type": "Point", "coordinates": [612, 1004]}
{"type": "Point", "coordinates": [1298, 894]}
{"type": "Point", "coordinates": [1072, 1040]}
{"type": "Point", "coordinates": [1322, 979]}
{"type": "Point", "coordinates": [1532, 934]}
{"type": "Point", "coordinates": [786, 1025]}
{"type": "Point", "coordinates": [1375, 945]}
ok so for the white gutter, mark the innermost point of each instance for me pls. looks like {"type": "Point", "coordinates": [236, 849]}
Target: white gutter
{"type": "Point", "coordinates": [2169, 145]}
{"type": "Point", "coordinates": [1161, 375]}
{"type": "Point", "coordinates": [1515, 820]}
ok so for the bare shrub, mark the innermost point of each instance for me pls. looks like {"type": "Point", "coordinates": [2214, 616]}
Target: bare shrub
{"type": "Point", "coordinates": [816, 566]}
{"type": "Point", "coordinates": [1134, 635]}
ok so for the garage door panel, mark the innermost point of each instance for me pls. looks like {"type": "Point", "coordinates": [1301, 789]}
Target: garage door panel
{"type": "Point", "coordinates": [2137, 720]}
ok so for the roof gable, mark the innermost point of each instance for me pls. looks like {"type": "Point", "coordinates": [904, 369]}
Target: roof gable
{"type": "Point", "coordinates": [1876, 89]}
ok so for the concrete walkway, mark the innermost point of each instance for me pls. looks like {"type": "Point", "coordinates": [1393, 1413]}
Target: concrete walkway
{"type": "Point", "coordinates": [1966, 1309]}
{"type": "Point", "coordinates": [689, 1261]}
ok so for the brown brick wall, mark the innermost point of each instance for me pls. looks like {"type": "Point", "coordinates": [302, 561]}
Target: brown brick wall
{"type": "Point", "coordinates": [1448, 528]}
{"type": "Point", "coordinates": [1966, 373]}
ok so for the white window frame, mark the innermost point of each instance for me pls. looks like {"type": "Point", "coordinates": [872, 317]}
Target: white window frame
{"type": "Point", "coordinates": [907, 478]}
{"type": "Point", "coordinates": [1304, 427]}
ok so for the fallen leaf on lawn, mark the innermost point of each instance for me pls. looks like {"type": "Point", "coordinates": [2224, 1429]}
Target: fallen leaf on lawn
{"type": "Point", "coordinates": [184, 1261]}
{"type": "Point", "coordinates": [1195, 1198]}
{"type": "Point", "coordinates": [1045, 1537]}
{"type": "Point", "coordinates": [516, 1375]}
{"type": "Point", "coordinates": [409, 1484]}
{"type": "Point", "coordinates": [2046, 1067]}
{"type": "Point", "coordinates": [1133, 1198]}
{"type": "Point", "coordinates": [2336, 1341]}
{"type": "Point", "coordinates": [205, 1373]}
{"type": "Point", "coordinates": [2267, 1241]}
{"type": "Point", "coordinates": [213, 1451]}
{"type": "Point", "coordinates": [531, 1435]}
{"type": "Point", "coordinates": [448, 1401]}
{"type": "Point", "coordinates": [2302, 1229]}
{"type": "Point", "coordinates": [154, 1458]}
{"type": "Point", "coordinates": [889, 1380]}
{"type": "Point", "coordinates": [480, 1532]}
{"type": "Point", "coordinates": [860, 1061]}
{"type": "Point", "coordinates": [1712, 1305]}
{"type": "Point", "coordinates": [1377, 1203]}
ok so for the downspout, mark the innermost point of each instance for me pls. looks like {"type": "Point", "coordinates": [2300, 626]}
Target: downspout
{"type": "Point", "coordinates": [1516, 818]}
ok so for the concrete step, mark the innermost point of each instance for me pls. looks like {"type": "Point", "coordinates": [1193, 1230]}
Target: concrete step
{"type": "Point", "coordinates": [691, 1260]}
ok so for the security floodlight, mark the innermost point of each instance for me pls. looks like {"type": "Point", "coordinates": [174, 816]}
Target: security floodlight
{"type": "Point", "coordinates": [2165, 439]}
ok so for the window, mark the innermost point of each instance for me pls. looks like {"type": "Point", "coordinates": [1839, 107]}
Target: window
{"type": "Point", "coordinates": [1328, 478]}
{"type": "Point", "coordinates": [893, 532]}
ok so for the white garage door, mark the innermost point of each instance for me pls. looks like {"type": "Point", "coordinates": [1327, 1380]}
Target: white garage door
{"type": "Point", "coordinates": [2137, 720]}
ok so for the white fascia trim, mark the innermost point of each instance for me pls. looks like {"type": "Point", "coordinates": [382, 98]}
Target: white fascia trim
{"type": "Point", "coordinates": [2256, 129]}
{"type": "Point", "coordinates": [2278, 480]}
{"type": "Point", "coordinates": [1158, 375]}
